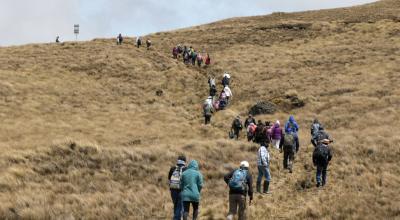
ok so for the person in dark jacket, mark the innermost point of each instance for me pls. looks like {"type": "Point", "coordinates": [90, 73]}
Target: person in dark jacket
{"type": "Point", "coordinates": [321, 157]}
{"type": "Point", "coordinates": [174, 184]}
{"type": "Point", "coordinates": [249, 120]}
{"type": "Point", "coordinates": [237, 197]}
{"type": "Point", "coordinates": [260, 136]}
{"type": "Point", "coordinates": [191, 185]}
{"type": "Point", "coordinates": [119, 39]}
{"type": "Point", "coordinates": [237, 127]}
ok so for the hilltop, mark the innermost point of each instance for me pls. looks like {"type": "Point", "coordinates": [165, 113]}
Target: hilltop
{"type": "Point", "coordinates": [84, 135]}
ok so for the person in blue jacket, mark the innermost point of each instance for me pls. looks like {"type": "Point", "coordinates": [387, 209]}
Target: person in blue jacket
{"type": "Point", "coordinates": [291, 127]}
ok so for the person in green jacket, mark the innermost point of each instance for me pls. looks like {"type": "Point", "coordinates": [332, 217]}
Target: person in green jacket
{"type": "Point", "coordinates": [191, 184]}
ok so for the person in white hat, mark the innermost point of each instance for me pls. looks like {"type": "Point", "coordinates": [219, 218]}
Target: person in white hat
{"type": "Point", "coordinates": [240, 185]}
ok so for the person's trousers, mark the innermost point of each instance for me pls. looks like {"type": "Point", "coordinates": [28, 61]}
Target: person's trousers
{"type": "Point", "coordinates": [275, 143]}
{"type": "Point", "coordinates": [207, 119]}
{"type": "Point", "coordinates": [236, 132]}
{"type": "Point", "coordinates": [321, 174]}
{"type": "Point", "coordinates": [178, 205]}
{"type": "Point", "coordinates": [237, 205]}
{"type": "Point", "coordinates": [296, 139]}
{"type": "Point", "coordinates": [263, 171]}
{"type": "Point", "coordinates": [186, 208]}
{"type": "Point", "coordinates": [288, 158]}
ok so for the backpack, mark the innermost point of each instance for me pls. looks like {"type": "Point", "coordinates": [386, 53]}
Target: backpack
{"type": "Point", "coordinates": [237, 124]}
{"type": "Point", "coordinates": [175, 181]}
{"type": "Point", "coordinates": [225, 81]}
{"type": "Point", "coordinates": [238, 181]}
{"type": "Point", "coordinates": [289, 143]}
{"type": "Point", "coordinates": [321, 154]}
{"type": "Point", "coordinates": [260, 132]}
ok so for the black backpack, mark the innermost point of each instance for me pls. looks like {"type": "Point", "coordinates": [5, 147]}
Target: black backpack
{"type": "Point", "coordinates": [225, 81]}
{"type": "Point", "coordinates": [237, 124]}
{"type": "Point", "coordinates": [321, 155]}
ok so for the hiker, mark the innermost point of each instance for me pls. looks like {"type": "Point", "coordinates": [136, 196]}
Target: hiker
{"type": "Point", "coordinates": [199, 59]}
{"type": "Point", "coordinates": [268, 130]}
{"type": "Point", "coordinates": [208, 110]}
{"type": "Point", "coordinates": [263, 162]}
{"type": "Point", "coordinates": [240, 184]}
{"type": "Point", "coordinates": [321, 157]}
{"type": "Point", "coordinates": [251, 130]}
{"type": "Point", "coordinates": [276, 134]}
{"type": "Point", "coordinates": [288, 146]}
{"type": "Point", "coordinates": [191, 185]}
{"type": "Point", "coordinates": [236, 127]}
{"type": "Point", "coordinates": [58, 39]}
{"type": "Point", "coordinates": [148, 43]}
{"type": "Point", "coordinates": [226, 78]}
{"type": "Point", "coordinates": [228, 93]}
{"type": "Point", "coordinates": [138, 42]}
{"type": "Point", "coordinates": [212, 85]}
{"type": "Point", "coordinates": [119, 39]}
{"type": "Point", "coordinates": [174, 177]}
{"type": "Point", "coordinates": [292, 127]}
{"type": "Point", "coordinates": [260, 134]}
{"type": "Point", "coordinates": [186, 57]}
{"type": "Point", "coordinates": [175, 52]}
{"type": "Point", "coordinates": [208, 60]}
{"type": "Point", "coordinates": [249, 120]}
{"type": "Point", "coordinates": [194, 57]}
{"type": "Point", "coordinates": [222, 100]}
{"type": "Point", "coordinates": [320, 135]}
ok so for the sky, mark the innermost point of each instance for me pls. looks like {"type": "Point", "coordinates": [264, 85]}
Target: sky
{"type": "Point", "coordinates": [38, 21]}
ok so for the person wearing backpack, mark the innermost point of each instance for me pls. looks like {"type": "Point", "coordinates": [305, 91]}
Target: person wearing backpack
{"type": "Point", "coordinates": [208, 110]}
{"type": "Point", "coordinates": [249, 120]}
{"type": "Point", "coordinates": [208, 60]}
{"type": "Point", "coordinates": [191, 185]}
{"type": "Point", "coordinates": [291, 127]}
{"type": "Point", "coordinates": [263, 163]}
{"type": "Point", "coordinates": [236, 127]}
{"type": "Point", "coordinates": [119, 39]}
{"type": "Point", "coordinates": [251, 130]}
{"type": "Point", "coordinates": [148, 43]}
{"type": "Point", "coordinates": [288, 146]}
{"type": "Point", "coordinates": [276, 134]}
{"type": "Point", "coordinates": [174, 177]}
{"type": "Point", "coordinates": [226, 78]}
{"type": "Point", "coordinates": [199, 59]}
{"type": "Point", "coordinates": [321, 157]}
{"type": "Point", "coordinates": [261, 134]}
{"type": "Point", "coordinates": [194, 57]}
{"type": "Point", "coordinates": [138, 42]}
{"type": "Point", "coordinates": [240, 184]}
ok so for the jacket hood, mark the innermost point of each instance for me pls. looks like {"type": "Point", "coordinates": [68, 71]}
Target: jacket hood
{"type": "Point", "coordinates": [291, 118]}
{"type": "Point", "coordinates": [193, 165]}
{"type": "Point", "coordinates": [276, 125]}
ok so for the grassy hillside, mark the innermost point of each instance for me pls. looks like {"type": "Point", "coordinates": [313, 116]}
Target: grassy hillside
{"type": "Point", "coordinates": [84, 135]}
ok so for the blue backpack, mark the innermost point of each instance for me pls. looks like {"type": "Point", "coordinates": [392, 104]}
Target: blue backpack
{"type": "Point", "coordinates": [238, 181]}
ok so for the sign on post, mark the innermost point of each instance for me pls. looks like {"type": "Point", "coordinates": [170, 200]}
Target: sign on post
{"type": "Point", "coordinates": [76, 31]}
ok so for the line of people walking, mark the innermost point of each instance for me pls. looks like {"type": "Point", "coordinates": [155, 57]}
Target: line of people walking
{"type": "Point", "coordinates": [138, 41]}
{"type": "Point", "coordinates": [191, 56]}
{"type": "Point", "coordinates": [186, 183]}
{"type": "Point", "coordinates": [215, 103]}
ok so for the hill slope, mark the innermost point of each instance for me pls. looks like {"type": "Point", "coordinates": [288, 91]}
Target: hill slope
{"type": "Point", "coordinates": [84, 135]}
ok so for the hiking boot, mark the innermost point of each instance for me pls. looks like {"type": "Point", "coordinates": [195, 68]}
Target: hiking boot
{"type": "Point", "coordinates": [266, 187]}
{"type": "Point", "coordinates": [318, 184]}
{"type": "Point", "coordinates": [258, 187]}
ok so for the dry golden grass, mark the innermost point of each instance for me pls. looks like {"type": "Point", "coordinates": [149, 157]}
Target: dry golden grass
{"type": "Point", "coordinates": [84, 136]}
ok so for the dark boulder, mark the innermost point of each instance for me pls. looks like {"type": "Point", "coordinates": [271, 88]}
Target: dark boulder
{"type": "Point", "coordinates": [263, 108]}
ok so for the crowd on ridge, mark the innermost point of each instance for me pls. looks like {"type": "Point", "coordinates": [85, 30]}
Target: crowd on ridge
{"type": "Point", "coordinates": [186, 181]}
